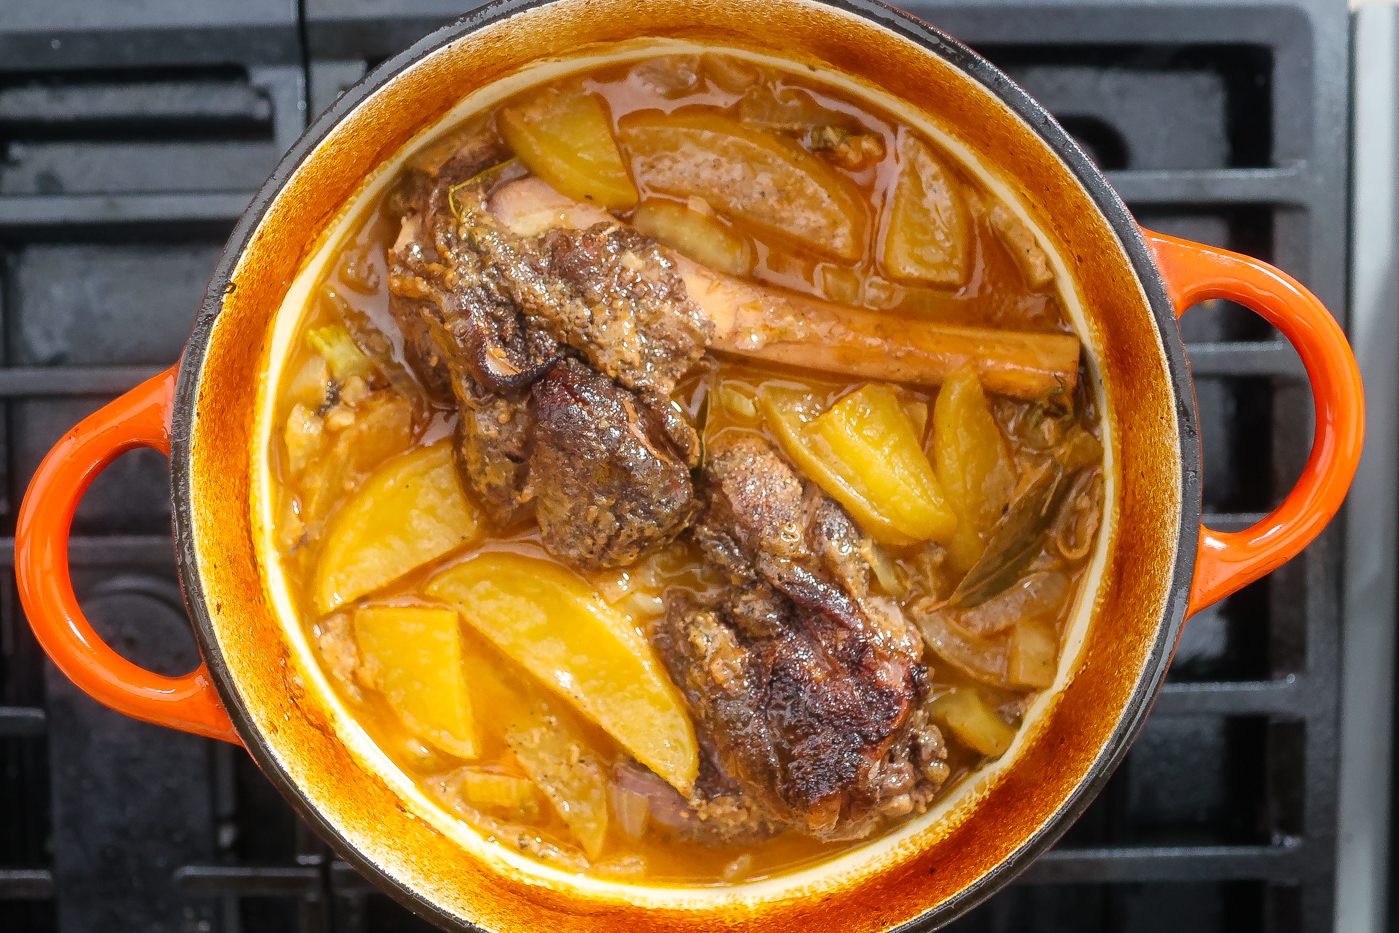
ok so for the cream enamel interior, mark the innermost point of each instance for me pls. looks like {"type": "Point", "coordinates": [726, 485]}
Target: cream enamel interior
{"type": "Point", "coordinates": [881, 851]}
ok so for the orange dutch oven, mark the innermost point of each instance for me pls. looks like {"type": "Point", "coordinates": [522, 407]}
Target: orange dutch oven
{"type": "Point", "coordinates": [1155, 564]}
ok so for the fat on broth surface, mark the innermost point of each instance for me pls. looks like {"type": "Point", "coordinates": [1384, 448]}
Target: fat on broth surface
{"type": "Point", "coordinates": [343, 414]}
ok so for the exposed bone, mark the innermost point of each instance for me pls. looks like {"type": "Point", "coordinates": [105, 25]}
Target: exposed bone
{"type": "Point", "coordinates": [750, 320]}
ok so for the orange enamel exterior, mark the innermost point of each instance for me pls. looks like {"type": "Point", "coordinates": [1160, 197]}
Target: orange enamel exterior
{"type": "Point", "coordinates": [1229, 561]}
{"type": "Point", "coordinates": [140, 418]}
{"type": "Point", "coordinates": [1063, 757]}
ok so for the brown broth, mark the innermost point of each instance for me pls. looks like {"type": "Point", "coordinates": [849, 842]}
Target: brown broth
{"type": "Point", "coordinates": [994, 295]}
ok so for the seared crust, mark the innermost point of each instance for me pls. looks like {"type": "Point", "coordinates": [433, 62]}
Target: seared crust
{"type": "Point", "coordinates": [809, 687]}
{"type": "Point", "coordinates": [596, 452]}
{"type": "Point", "coordinates": [607, 485]}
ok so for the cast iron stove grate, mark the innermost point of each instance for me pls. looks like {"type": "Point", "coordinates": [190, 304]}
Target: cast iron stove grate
{"type": "Point", "coordinates": [131, 142]}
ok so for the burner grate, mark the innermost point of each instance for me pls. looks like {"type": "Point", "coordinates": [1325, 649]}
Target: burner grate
{"type": "Point", "coordinates": [132, 145]}
{"type": "Point", "coordinates": [1228, 126]}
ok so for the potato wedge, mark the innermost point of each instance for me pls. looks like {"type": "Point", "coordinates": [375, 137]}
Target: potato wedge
{"type": "Point", "coordinates": [870, 431]}
{"type": "Point", "coordinates": [966, 714]}
{"type": "Point", "coordinates": [412, 655]}
{"type": "Point", "coordinates": [565, 137]}
{"type": "Point", "coordinates": [1034, 655]}
{"type": "Point", "coordinates": [927, 239]}
{"type": "Point", "coordinates": [304, 436]}
{"type": "Point", "coordinates": [379, 429]}
{"type": "Point", "coordinates": [491, 789]}
{"type": "Point", "coordinates": [973, 464]}
{"type": "Point", "coordinates": [548, 739]}
{"type": "Point", "coordinates": [788, 413]}
{"type": "Point", "coordinates": [690, 233]}
{"type": "Point", "coordinates": [311, 384]}
{"type": "Point", "coordinates": [560, 630]}
{"type": "Point", "coordinates": [410, 512]}
{"type": "Point", "coordinates": [761, 178]}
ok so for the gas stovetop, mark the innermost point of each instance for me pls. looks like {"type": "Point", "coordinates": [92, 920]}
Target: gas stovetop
{"type": "Point", "coordinates": [131, 138]}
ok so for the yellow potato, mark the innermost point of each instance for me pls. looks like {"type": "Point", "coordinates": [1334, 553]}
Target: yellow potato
{"type": "Point", "coordinates": [870, 430]}
{"type": "Point", "coordinates": [381, 428]}
{"type": "Point", "coordinates": [560, 630]}
{"type": "Point", "coordinates": [412, 655]}
{"type": "Point", "coordinates": [966, 714]}
{"type": "Point", "coordinates": [973, 464]}
{"type": "Point", "coordinates": [788, 413]}
{"type": "Point", "coordinates": [304, 436]}
{"type": "Point", "coordinates": [690, 233]}
{"type": "Point", "coordinates": [308, 387]}
{"type": "Point", "coordinates": [758, 177]}
{"type": "Point", "coordinates": [927, 237]}
{"type": "Point", "coordinates": [548, 739]}
{"type": "Point", "coordinates": [410, 512]}
{"type": "Point", "coordinates": [1034, 655]}
{"type": "Point", "coordinates": [565, 137]}
{"type": "Point", "coordinates": [492, 789]}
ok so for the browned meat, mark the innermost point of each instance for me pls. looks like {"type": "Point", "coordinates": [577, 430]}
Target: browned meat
{"type": "Point", "coordinates": [760, 521]}
{"type": "Point", "coordinates": [609, 292]}
{"type": "Point", "coordinates": [607, 481]}
{"type": "Point", "coordinates": [463, 335]}
{"type": "Point", "coordinates": [802, 716]}
{"type": "Point", "coordinates": [635, 321]}
{"type": "Point", "coordinates": [494, 435]}
{"type": "Point", "coordinates": [419, 350]}
{"type": "Point", "coordinates": [490, 337]}
{"type": "Point", "coordinates": [488, 313]}
{"type": "Point", "coordinates": [457, 157]}
{"type": "Point", "coordinates": [421, 280]}
{"type": "Point", "coordinates": [809, 687]}
{"type": "Point", "coordinates": [492, 358]}
{"type": "Point", "coordinates": [665, 418]}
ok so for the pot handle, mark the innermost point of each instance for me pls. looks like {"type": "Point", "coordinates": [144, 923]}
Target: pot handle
{"type": "Point", "coordinates": [140, 418]}
{"type": "Point", "coordinates": [1229, 561]}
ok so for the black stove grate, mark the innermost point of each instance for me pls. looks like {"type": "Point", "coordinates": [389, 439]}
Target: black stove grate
{"type": "Point", "coordinates": [131, 139]}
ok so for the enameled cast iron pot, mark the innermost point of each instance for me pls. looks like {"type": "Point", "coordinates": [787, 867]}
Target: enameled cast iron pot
{"type": "Point", "coordinates": [1155, 564]}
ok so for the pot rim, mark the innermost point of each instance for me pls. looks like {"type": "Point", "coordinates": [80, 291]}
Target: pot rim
{"type": "Point", "coordinates": [929, 39]}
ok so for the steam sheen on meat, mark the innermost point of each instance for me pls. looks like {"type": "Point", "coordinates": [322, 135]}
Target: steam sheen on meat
{"type": "Point", "coordinates": [607, 481]}
{"type": "Point", "coordinates": [808, 686]}
{"type": "Point", "coordinates": [608, 291]}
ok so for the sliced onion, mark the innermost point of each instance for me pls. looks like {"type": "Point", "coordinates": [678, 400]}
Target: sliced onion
{"type": "Point", "coordinates": [979, 658]}
{"type": "Point", "coordinates": [1033, 596]}
{"type": "Point", "coordinates": [1076, 525]}
{"type": "Point", "coordinates": [632, 808]}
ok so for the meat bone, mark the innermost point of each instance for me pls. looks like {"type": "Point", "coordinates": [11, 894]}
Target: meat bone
{"type": "Point", "coordinates": [753, 321]}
